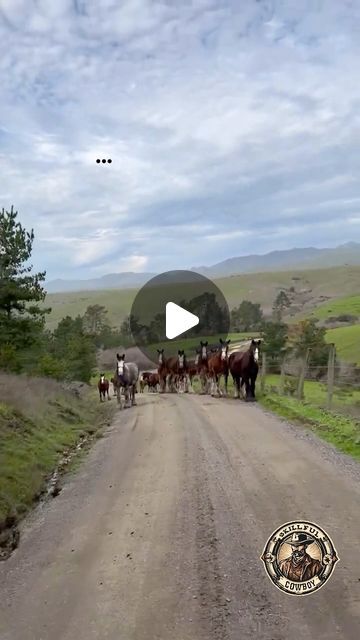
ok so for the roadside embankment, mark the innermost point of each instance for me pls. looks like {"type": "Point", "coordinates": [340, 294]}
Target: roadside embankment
{"type": "Point", "coordinates": [43, 425]}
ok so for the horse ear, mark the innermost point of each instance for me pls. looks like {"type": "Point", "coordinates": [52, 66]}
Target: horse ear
{"type": "Point", "coordinates": [253, 341]}
{"type": "Point", "coordinates": [221, 341]}
{"type": "Point", "coordinates": [206, 343]}
{"type": "Point", "coordinates": [228, 341]}
{"type": "Point", "coordinates": [259, 342]}
{"type": "Point", "coordinates": [123, 356]}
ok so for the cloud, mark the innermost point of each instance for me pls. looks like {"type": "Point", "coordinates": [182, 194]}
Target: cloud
{"type": "Point", "coordinates": [230, 131]}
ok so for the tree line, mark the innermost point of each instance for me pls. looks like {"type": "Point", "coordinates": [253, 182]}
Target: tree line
{"type": "Point", "coordinates": [69, 351]}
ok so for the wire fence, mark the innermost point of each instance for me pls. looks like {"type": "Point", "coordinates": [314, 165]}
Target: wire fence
{"type": "Point", "coordinates": [334, 386]}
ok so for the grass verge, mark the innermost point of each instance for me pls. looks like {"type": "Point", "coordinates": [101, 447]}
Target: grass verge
{"type": "Point", "coordinates": [340, 431]}
{"type": "Point", "coordinates": [38, 422]}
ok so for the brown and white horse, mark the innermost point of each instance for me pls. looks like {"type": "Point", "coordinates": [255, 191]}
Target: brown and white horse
{"type": "Point", "coordinates": [103, 387]}
{"type": "Point", "coordinates": [177, 372]}
{"type": "Point", "coordinates": [218, 366]}
{"type": "Point", "coordinates": [144, 380]}
{"type": "Point", "coordinates": [203, 366]}
{"type": "Point", "coordinates": [153, 382]}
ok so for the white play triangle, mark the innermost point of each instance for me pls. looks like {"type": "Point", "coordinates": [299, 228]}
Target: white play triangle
{"type": "Point", "coordinates": [178, 320]}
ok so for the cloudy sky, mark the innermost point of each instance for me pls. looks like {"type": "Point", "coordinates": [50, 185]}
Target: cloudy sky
{"type": "Point", "coordinates": [233, 128]}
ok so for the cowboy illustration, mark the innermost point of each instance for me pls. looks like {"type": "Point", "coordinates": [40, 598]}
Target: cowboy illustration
{"type": "Point", "coordinates": [300, 566]}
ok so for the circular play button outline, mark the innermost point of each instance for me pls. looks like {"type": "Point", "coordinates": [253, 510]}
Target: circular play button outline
{"type": "Point", "coordinates": [163, 306]}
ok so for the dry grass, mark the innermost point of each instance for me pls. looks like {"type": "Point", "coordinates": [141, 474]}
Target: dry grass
{"type": "Point", "coordinates": [29, 395]}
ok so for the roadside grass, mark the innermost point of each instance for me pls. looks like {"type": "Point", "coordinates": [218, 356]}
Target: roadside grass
{"type": "Point", "coordinates": [347, 342]}
{"type": "Point", "coordinates": [338, 430]}
{"type": "Point", "coordinates": [316, 394]}
{"type": "Point", "coordinates": [39, 419]}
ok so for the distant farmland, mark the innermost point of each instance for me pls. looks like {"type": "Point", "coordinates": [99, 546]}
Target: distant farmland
{"type": "Point", "coordinates": [339, 284]}
{"type": "Point", "coordinates": [258, 287]}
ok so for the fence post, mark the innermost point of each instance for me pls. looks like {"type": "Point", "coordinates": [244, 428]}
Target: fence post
{"type": "Point", "coordinates": [263, 372]}
{"type": "Point", "coordinates": [330, 375]}
{"type": "Point", "coordinates": [300, 389]}
{"type": "Point", "coordinates": [282, 378]}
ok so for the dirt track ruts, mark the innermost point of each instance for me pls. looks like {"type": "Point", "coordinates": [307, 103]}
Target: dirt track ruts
{"type": "Point", "coordinates": [159, 534]}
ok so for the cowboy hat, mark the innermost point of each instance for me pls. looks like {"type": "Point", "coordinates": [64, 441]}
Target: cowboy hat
{"type": "Point", "coordinates": [298, 539]}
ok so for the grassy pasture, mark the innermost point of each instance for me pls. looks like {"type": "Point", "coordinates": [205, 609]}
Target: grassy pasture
{"type": "Point", "coordinates": [347, 342]}
{"type": "Point", "coordinates": [347, 305]}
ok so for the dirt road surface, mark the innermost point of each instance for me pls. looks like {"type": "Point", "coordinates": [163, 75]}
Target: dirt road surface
{"type": "Point", "coordinates": [158, 536]}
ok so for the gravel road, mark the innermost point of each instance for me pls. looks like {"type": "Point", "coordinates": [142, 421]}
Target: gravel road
{"type": "Point", "coordinates": [158, 535]}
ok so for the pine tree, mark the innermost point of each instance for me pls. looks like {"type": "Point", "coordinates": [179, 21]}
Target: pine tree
{"type": "Point", "coordinates": [21, 316]}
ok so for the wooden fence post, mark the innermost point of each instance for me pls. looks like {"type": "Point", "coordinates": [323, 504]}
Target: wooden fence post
{"type": "Point", "coordinates": [330, 375]}
{"type": "Point", "coordinates": [263, 372]}
{"type": "Point", "coordinates": [282, 378]}
{"type": "Point", "coordinates": [300, 389]}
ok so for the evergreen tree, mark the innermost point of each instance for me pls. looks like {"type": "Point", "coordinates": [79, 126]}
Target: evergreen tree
{"type": "Point", "coordinates": [21, 316]}
{"type": "Point", "coordinates": [248, 316]}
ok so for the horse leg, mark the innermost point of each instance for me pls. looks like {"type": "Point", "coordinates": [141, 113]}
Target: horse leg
{"type": "Point", "coordinates": [190, 387]}
{"type": "Point", "coordinates": [248, 389]}
{"type": "Point", "coordinates": [118, 394]}
{"type": "Point", "coordinates": [218, 386]}
{"type": "Point", "coordinates": [133, 400]}
{"type": "Point", "coordinates": [236, 381]}
{"type": "Point", "coordinates": [253, 388]}
{"type": "Point", "coordinates": [241, 386]}
{"type": "Point", "coordinates": [127, 397]}
{"type": "Point", "coordinates": [226, 376]}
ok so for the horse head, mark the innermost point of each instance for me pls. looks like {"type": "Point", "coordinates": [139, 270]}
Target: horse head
{"type": "Point", "coordinates": [161, 356]}
{"type": "Point", "coordinates": [181, 358]}
{"type": "Point", "coordinates": [254, 348]}
{"type": "Point", "coordinates": [197, 357]}
{"type": "Point", "coordinates": [120, 363]}
{"type": "Point", "coordinates": [224, 348]}
{"type": "Point", "coordinates": [102, 377]}
{"type": "Point", "coordinates": [203, 350]}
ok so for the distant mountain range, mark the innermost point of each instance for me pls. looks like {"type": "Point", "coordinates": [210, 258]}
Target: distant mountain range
{"type": "Point", "coordinates": [125, 280]}
{"type": "Point", "coordinates": [306, 258]}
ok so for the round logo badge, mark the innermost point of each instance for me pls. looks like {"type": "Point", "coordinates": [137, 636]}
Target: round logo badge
{"type": "Point", "coordinates": [299, 557]}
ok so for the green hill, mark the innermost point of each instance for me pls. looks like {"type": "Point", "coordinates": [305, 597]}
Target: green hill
{"type": "Point", "coordinates": [313, 288]}
{"type": "Point", "coordinates": [347, 342]}
{"type": "Point", "coordinates": [347, 305]}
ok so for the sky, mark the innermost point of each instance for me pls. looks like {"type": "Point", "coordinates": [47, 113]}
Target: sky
{"type": "Point", "coordinates": [233, 128]}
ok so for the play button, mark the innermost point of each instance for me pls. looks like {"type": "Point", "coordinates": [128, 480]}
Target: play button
{"type": "Point", "coordinates": [178, 320]}
{"type": "Point", "coordinates": [175, 310]}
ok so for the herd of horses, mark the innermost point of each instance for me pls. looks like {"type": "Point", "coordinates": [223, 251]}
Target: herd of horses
{"type": "Point", "coordinates": [177, 373]}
